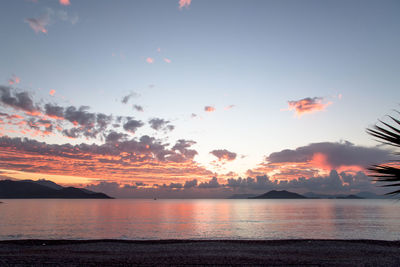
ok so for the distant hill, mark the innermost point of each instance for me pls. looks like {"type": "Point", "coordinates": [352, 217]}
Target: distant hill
{"type": "Point", "coordinates": [360, 195]}
{"type": "Point", "coordinates": [350, 197]}
{"type": "Point", "coordinates": [40, 189]}
{"type": "Point", "coordinates": [274, 194]}
{"type": "Point", "coordinates": [45, 183]}
{"type": "Point", "coordinates": [371, 195]}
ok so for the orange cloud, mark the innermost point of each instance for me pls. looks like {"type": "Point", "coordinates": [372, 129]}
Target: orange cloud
{"type": "Point", "coordinates": [127, 162]}
{"type": "Point", "coordinates": [308, 105]}
{"type": "Point", "coordinates": [209, 109]}
{"type": "Point", "coordinates": [52, 92]}
{"type": "Point", "coordinates": [184, 3]}
{"type": "Point", "coordinates": [65, 2]}
{"type": "Point", "coordinates": [167, 60]}
{"type": "Point", "coordinates": [150, 60]}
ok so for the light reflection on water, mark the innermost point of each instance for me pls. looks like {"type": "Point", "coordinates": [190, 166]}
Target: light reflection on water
{"type": "Point", "coordinates": [200, 219]}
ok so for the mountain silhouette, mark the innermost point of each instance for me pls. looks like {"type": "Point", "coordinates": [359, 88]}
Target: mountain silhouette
{"type": "Point", "coordinates": [37, 189]}
{"type": "Point", "coordinates": [275, 194]}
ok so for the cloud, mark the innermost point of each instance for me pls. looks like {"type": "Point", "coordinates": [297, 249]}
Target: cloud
{"type": "Point", "coordinates": [318, 159]}
{"type": "Point", "coordinates": [332, 183]}
{"type": "Point", "coordinates": [138, 108]}
{"type": "Point", "coordinates": [132, 125]}
{"type": "Point", "coordinates": [70, 121]}
{"type": "Point", "coordinates": [160, 124]}
{"type": "Point", "coordinates": [54, 111]}
{"type": "Point", "coordinates": [20, 101]}
{"type": "Point", "coordinates": [224, 155]}
{"type": "Point", "coordinates": [184, 3]}
{"type": "Point", "coordinates": [213, 183]}
{"type": "Point", "coordinates": [167, 60]}
{"type": "Point", "coordinates": [150, 60]}
{"type": "Point", "coordinates": [336, 154]}
{"type": "Point", "coordinates": [41, 23]}
{"type": "Point", "coordinates": [64, 16]}
{"type": "Point", "coordinates": [190, 184]}
{"type": "Point", "coordinates": [126, 98]}
{"type": "Point", "coordinates": [229, 107]}
{"type": "Point", "coordinates": [183, 147]}
{"type": "Point", "coordinates": [116, 137]}
{"type": "Point", "coordinates": [142, 159]}
{"type": "Point", "coordinates": [209, 109]}
{"type": "Point", "coordinates": [14, 80]}
{"type": "Point", "coordinates": [52, 92]}
{"type": "Point", "coordinates": [308, 105]}
{"type": "Point", "coordinates": [65, 2]}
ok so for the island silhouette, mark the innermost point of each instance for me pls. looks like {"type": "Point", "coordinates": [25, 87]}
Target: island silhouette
{"type": "Point", "coordinates": [44, 189]}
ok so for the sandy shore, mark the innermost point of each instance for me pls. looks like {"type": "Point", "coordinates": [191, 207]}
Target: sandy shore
{"type": "Point", "coordinates": [207, 252]}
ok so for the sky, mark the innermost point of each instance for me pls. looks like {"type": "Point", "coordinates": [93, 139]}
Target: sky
{"type": "Point", "coordinates": [183, 98]}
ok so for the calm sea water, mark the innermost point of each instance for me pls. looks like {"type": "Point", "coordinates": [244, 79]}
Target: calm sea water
{"type": "Point", "coordinates": [200, 219]}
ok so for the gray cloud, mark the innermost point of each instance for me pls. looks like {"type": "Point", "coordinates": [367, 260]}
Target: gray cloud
{"type": "Point", "coordinates": [116, 137]}
{"type": "Point", "coordinates": [160, 124]}
{"type": "Point", "coordinates": [20, 101]}
{"type": "Point", "coordinates": [126, 98]}
{"type": "Point", "coordinates": [54, 110]}
{"type": "Point", "coordinates": [213, 183]}
{"type": "Point", "coordinates": [223, 154]}
{"type": "Point", "coordinates": [138, 108]}
{"type": "Point", "coordinates": [190, 184]}
{"type": "Point", "coordinates": [132, 125]}
{"type": "Point", "coordinates": [183, 147]}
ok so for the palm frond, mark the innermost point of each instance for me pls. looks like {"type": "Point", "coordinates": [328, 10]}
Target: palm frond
{"type": "Point", "coordinates": [388, 134]}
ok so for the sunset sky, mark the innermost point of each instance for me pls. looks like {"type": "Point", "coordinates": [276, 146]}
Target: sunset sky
{"type": "Point", "coordinates": [197, 97]}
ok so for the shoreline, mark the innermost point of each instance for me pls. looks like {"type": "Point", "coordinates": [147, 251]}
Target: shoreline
{"type": "Point", "coordinates": [199, 252]}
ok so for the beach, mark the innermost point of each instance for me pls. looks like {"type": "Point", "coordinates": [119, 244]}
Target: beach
{"type": "Point", "coordinates": [200, 252]}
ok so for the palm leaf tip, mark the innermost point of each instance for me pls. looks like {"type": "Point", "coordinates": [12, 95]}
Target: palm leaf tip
{"type": "Point", "coordinates": [388, 134]}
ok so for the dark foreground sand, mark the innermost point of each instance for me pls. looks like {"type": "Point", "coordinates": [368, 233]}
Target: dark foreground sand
{"type": "Point", "coordinates": [197, 253]}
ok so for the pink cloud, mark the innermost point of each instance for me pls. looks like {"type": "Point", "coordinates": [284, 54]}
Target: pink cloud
{"type": "Point", "coordinates": [308, 105]}
{"type": "Point", "coordinates": [158, 50]}
{"type": "Point", "coordinates": [209, 109]}
{"type": "Point", "coordinates": [150, 60]}
{"type": "Point", "coordinates": [229, 107]}
{"type": "Point", "coordinates": [52, 92]}
{"type": "Point", "coordinates": [65, 2]}
{"type": "Point", "coordinates": [340, 96]}
{"type": "Point", "coordinates": [14, 80]}
{"type": "Point", "coordinates": [184, 3]}
{"type": "Point", "coordinates": [167, 60]}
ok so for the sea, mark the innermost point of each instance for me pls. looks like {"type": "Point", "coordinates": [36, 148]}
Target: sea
{"type": "Point", "coordinates": [233, 219]}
